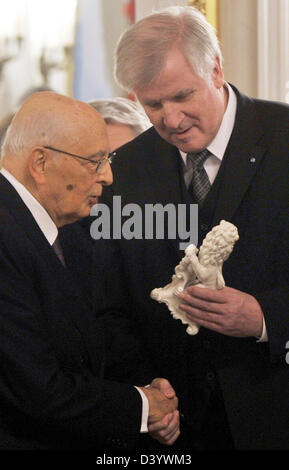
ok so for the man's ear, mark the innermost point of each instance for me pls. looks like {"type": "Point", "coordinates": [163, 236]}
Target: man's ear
{"type": "Point", "coordinates": [217, 74]}
{"type": "Point", "coordinates": [37, 164]}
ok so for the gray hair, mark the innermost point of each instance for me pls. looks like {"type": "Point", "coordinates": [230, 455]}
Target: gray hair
{"type": "Point", "coordinates": [123, 111]}
{"type": "Point", "coordinates": [21, 135]}
{"type": "Point", "coordinates": [4, 125]}
{"type": "Point", "coordinates": [43, 124]}
{"type": "Point", "coordinates": [141, 50]}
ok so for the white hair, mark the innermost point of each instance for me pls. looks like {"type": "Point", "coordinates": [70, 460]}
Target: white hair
{"type": "Point", "coordinates": [44, 123]}
{"type": "Point", "coordinates": [142, 49]}
{"type": "Point", "coordinates": [23, 134]}
{"type": "Point", "coordinates": [123, 111]}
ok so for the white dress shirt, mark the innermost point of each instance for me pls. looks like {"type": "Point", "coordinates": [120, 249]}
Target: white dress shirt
{"type": "Point", "coordinates": [40, 215]}
{"type": "Point", "coordinates": [219, 144]}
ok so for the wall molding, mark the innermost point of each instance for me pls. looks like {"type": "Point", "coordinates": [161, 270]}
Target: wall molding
{"type": "Point", "coordinates": [273, 49]}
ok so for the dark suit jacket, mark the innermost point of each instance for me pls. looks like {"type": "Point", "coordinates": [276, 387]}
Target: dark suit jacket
{"type": "Point", "coordinates": [52, 361]}
{"type": "Point", "coordinates": [251, 191]}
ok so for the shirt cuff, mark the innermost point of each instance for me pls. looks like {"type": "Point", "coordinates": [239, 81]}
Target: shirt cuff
{"type": "Point", "coordinates": [264, 336]}
{"type": "Point", "coordinates": [145, 411]}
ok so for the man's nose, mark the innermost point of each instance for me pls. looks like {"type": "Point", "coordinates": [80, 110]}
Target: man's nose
{"type": "Point", "coordinates": [172, 115]}
{"type": "Point", "coordinates": [105, 176]}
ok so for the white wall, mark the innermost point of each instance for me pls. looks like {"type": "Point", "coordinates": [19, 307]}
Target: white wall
{"type": "Point", "coordinates": [144, 7]}
{"type": "Point", "coordinates": [273, 49]}
{"type": "Point", "coordinates": [238, 37]}
{"type": "Point", "coordinates": [255, 42]}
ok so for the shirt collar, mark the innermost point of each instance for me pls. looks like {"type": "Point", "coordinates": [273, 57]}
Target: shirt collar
{"type": "Point", "coordinates": [219, 144]}
{"type": "Point", "coordinates": [41, 216]}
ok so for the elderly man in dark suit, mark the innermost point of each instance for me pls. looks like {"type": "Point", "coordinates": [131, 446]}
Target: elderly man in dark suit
{"type": "Point", "coordinates": [228, 153]}
{"type": "Point", "coordinates": [53, 360]}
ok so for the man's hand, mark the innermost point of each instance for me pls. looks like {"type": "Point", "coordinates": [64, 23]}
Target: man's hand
{"type": "Point", "coordinates": [167, 430]}
{"type": "Point", "coordinates": [164, 386]}
{"type": "Point", "coordinates": [163, 420]}
{"type": "Point", "coordinates": [159, 404]}
{"type": "Point", "coordinates": [227, 311]}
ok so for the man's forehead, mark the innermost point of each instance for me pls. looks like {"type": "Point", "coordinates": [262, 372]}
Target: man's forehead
{"type": "Point", "coordinates": [92, 140]}
{"type": "Point", "coordinates": [100, 153]}
{"type": "Point", "coordinates": [91, 148]}
{"type": "Point", "coordinates": [152, 95]}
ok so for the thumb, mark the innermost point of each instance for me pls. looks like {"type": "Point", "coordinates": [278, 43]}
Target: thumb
{"type": "Point", "coordinates": [164, 386]}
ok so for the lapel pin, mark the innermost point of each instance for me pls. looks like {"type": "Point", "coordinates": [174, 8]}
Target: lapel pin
{"type": "Point", "coordinates": [252, 160]}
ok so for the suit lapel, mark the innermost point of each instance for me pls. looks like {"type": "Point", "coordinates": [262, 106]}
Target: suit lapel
{"type": "Point", "coordinates": [78, 256]}
{"type": "Point", "coordinates": [242, 159]}
{"type": "Point", "coordinates": [165, 181]}
{"type": "Point", "coordinates": [26, 222]}
{"type": "Point", "coordinates": [163, 173]}
{"type": "Point", "coordinates": [70, 287]}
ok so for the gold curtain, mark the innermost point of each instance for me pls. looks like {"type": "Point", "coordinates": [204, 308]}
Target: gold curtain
{"type": "Point", "coordinates": [210, 8]}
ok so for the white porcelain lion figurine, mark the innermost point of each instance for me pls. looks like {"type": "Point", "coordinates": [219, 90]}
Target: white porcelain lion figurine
{"type": "Point", "coordinates": [199, 267]}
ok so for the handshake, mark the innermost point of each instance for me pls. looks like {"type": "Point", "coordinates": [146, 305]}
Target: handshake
{"type": "Point", "coordinates": [163, 419]}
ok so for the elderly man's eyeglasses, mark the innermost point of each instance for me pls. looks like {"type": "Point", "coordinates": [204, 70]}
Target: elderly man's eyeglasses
{"type": "Point", "coordinates": [95, 165]}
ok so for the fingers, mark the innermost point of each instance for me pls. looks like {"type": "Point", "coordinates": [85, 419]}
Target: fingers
{"type": "Point", "coordinates": [213, 295]}
{"type": "Point", "coordinates": [159, 404]}
{"type": "Point", "coordinates": [170, 439]}
{"type": "Point", "coordinates": [227, 311]}
{"type": "Point", "coordinates": [164, 386]}
{"type": "Point", "coordinates": [210, 321]}
{"type": "Point", "coordinates": [201, 304]}
{"type": "Point", "coordinates": [162, 424]}
{"type": "Point", "coordinates": [167, 430]}
{"type": "Point", "coordinates": [197, 314]}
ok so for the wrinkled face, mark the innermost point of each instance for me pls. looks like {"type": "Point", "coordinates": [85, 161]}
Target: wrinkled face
{"type": "Point", "coordinates": [119, 134]}
{"type": "Point", "coordinates": [72, 185]}
{"type": "Point", "coordinates": [185, 109]}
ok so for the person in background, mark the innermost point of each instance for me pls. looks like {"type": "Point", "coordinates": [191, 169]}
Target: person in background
{"type": "Point", "coordinates": [53, 394]}
{"type": "Point", "coordinates": [213, 146]}
{"type": "Point", "coordinates": [125, 119]}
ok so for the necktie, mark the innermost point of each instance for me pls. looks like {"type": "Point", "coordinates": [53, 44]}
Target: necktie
{"type": "Point", "coordinates": [200, 184]}
{"type": "Point", "coordinates": [58, 250]}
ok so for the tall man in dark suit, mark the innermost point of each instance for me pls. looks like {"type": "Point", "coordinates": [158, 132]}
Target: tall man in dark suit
{"type": "Point", "coordinates": [53, 360]}
{"type": "Point", "coordinates": [232, 378]}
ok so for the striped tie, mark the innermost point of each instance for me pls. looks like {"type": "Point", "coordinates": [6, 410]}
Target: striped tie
{"type": "Point", "coordinates": [200, 184]}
